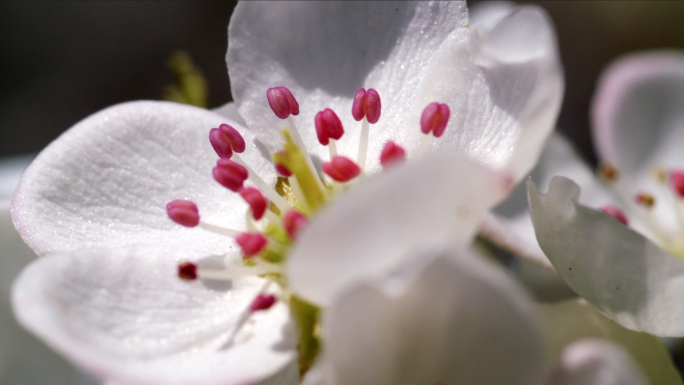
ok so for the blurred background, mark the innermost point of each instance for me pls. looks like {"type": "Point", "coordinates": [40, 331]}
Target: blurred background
{"type": "Point", "coordinates": [61, 61]}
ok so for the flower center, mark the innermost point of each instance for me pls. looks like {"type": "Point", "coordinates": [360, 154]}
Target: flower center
{"type": "Point", "coordinates": [277, 214]}
{"type": "Point", "coordinates": [667, 194]}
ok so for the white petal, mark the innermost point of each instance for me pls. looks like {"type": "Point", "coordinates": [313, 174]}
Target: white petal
{"type": "Point", "coordinates": [373, 227]}
{"type": "Point", "coordinates": [10, 172]}
{"type": "Point", "coordinates": [450, 319]}
{"type": "Point", "coordinates": [636, 112]}
{"type": "Point", "coordinates": [488, 14]}
{"type": "Point", "coordinates": [330, 50]}
{"type": "Point", "coordinates": [620, 272]}
{"type": "Point", "coordinates": [107, 180]}
{"type": "Point", "coordinates": [510, 225]}
{"type": "Point", "coordinates": [124, 315]}
{"type": "Point", "coordinates": [229, 110]}
{"type": "Point", "coordinates": [596, 362]}
{"type": "Point", "coordinates": [24, 359]}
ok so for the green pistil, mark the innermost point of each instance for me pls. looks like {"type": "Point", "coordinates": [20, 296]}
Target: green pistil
{"type": "Point", "coordinates": [306, 316]}
{"type": "Point", "coordinates": [295, 161]}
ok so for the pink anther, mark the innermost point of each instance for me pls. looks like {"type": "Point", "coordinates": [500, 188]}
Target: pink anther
{"type": "Point", "coordinates": [187, 271]}
{"type": "Point", "coordinates": [328, 126]}
{"type": "Point", "coordinates": [616, 213]}
{"type": "Point", "coordinates": [367, 103]}
{"type": "Point", "coordinates": [341, 169]}
{"type": "Point", "coordinates": [262, 302]}
{"type": "Point", "coordinates": [229, 174]}
{"type": "Point", "coordinates": [225, 139]}
{"type": "Point", "coordinates": [434, 119]}
{"type": "Point", "coordinates": [392, 154]}
{"type": "Point", "coordinates": [294, 222]}
{"type": "Point", "coordinates": [256, 201]}
{"type": "Point", "coordinates": [183, 212]}
{"type": "Point", "coordinates": [251, 243]}
{"type": "Point", "coordinates": [282, 102]}
{"type": "Point", "coordinates": [677, 182]}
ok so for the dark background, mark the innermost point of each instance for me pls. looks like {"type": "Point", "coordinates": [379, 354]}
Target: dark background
{"type": "Point", "coordinates": [61, 61]}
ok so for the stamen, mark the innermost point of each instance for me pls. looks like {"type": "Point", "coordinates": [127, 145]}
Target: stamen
{"type": "Point", "coordinates": [251, 243]}
{"type": "Point", "coordinates": [262, 302]}
{"type": "Point", "coordinates": [392, 154]}
{"type": "Point", "coordinates": [235, 272]}
{"type": "Point", "coordinates": [183, 212]}
{"type": "Point", "coordinates": [264, 187]}
{"type": "Point", "coordinates": [230, 174]}
{"type": "Point", "coordinates": [328, 126]}
{"type": "Point", "coordinates": [608, 172]}
{"type": "Point", "coordinates": [616, 213]}
{"type": "Point", "coordinates": [677, 182]}
{"type": "Point", "coordinates": [281, 169]}
{"type": "Point", "coordinates": [367, 104]}
{"type": "Point", "coordinates": [225, 139]}
{"type": "Point", "coordinates": [219, 230]}
{"type": "Point", "coordinates": [187, 271]}
{"type": "Point", "coordinates": [434, 119]}
{"type": "Point", "coordinates": [645, 199]}
{"type": "Point", "coordinates": [341, 169]}
{"type": "Point", "coordinates": [282, 102]}
{"type": "Point", "coordinates": [256, 201]}
{"type": "Point", "coordinates": [298, 163]}
{"type": "Point", "coordinates": [659, 174]}
{"type": "Point", "coordinates": [294, 222]}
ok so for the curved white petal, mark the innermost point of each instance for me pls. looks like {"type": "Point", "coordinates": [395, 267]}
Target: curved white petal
{"type": "Point", "coordinates": [620, 272]}
{"type": "Point", "coordinates": [637, 113]}
{"type": "Point", "coordinates": [123, 315]}
{"type": "Point", "coordinates": [596, 362]}
{"type": "Point", "coordinates": [510, 226]}
{"type": "Point", "coordinates": [373, 227]}
{"type": "Point", "coordinates": [230, 111]}
{"type": "Point", "coordinates": [413, 53]}
{"type": "Point", "coordinates": [448, 319]}
{"type": "Point", "coordinates": [107, 180]}
{"type": "Point", "coordinates": [24, 359]}
{"type": "Point", "coordinates": [488, 14]}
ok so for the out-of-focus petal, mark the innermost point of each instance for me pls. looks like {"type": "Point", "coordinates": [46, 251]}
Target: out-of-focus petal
{"type": "Point", "coordinates": [373, 227]}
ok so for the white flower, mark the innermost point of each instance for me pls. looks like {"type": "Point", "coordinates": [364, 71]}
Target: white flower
{"type": "Point", "coordinates": [108, 296]}
{"type": "Point", "coordinates": [23, 359]}
{"type": "Point", "coordinates": [633, 274]}
{"type": "Point", "coordinates": [453, 319]}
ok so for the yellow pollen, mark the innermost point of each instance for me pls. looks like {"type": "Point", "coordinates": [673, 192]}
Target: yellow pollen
{"type": "Point", "coordinates": [659, 174]}
{"type": "Point", "coordinates": [608, 172]}
{"type": "Point", "coordinates": [645, 199]}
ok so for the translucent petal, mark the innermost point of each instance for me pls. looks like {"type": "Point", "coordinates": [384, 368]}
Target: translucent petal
{"type": "Point", "coordinates": [623, 274]}
{"type": "Point", "coordinates": [123, 315]}
{"type": "Point", "coordinates": [107, 180]}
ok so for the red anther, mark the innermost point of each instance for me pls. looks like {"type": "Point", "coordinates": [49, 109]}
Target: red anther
{"type": "Point", "coordinates": [359, 105]}
{"type": "Point", "coordinates": [677, 182]}
{"type": "Point", "coordinates": [229, 174]}
{"type": "Point", "coordinates": [328, 126]}
{"type": "Point", "coordinates": [645, 199]}
{"type": "Point", "coordinates": [616, 213]}
{"type": "Point", "coordinates": [294, 222]}
{"type": "Point", "coordinates": [434, 119]}
{"type": "Point", "coordinates": [256, 201]}
{"type": "Point", "coordinates": [220, 143]}
{"type": "Point", "coordinates": [282, 170]}
{"type": "Point", "coordinates": [367, 103]}
{"type": "Point", "coordinates": [341, 169]}
{"type": "Point", "coordinates": [251, 243]}
{"type": "Point", "coordinates": [262, 302]}
{"type": "Point", "coordinates": [391, 154]}
{"type": "Point", "coordinates": [187, 271]}
{"type": "Point", "coordinates": [373, 106]}
{"type": "Point", "coordinates": [282, 102]}
{"type": "Point", "coordinates": [183, 212]}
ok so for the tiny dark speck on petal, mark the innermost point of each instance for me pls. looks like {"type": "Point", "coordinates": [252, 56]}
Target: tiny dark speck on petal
{"type": "Point", "coordinates": [569, 268]}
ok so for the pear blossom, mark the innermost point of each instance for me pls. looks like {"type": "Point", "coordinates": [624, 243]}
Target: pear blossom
{"type": "Point", "coordinates": [453, 319]}
{"type": "Point", "coordinates": [619, 243]}
{"type": "Point", "coordinates": [134, 298]}
{"type": "Point", "coordinates": [23, 358]}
